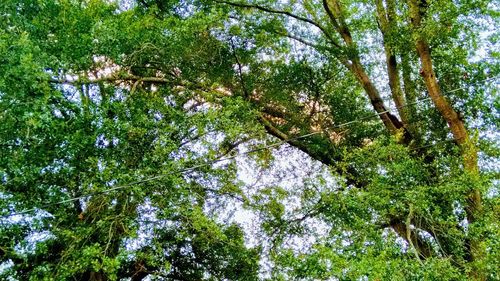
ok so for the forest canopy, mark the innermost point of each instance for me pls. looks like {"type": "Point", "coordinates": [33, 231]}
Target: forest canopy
{"type": "Point", "coordinates": [249, 140]}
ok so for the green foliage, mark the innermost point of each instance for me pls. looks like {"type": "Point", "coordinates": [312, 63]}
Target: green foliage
{"type": "Point", "coordinates": [120, 131]}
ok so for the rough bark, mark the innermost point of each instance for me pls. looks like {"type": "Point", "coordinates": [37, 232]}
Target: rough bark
{"type": "Point", "coordinates": [456, 125]}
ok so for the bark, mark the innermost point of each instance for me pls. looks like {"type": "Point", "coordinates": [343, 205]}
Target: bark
{"type": "Point", "coordinates": [348, 57]}
{"type": "Point", "coordinates": [456, 125]}
{"type": "Point", "coordinates": [97, 276]}
{"type": "Point", "coordinates": [385, 20]}
{"type": "Point", "coordinates": [423, 248]}
{"type": "Point", "coordinates": [274, 131]}
{"type": "Point", "coordinates": [334, 11]}
{"type": "Point", "coordinates": [410, 94]}
{"type": "Point", "coordinates": [325, 156]}
{"type": "Point", "coordinates": [392, 124]}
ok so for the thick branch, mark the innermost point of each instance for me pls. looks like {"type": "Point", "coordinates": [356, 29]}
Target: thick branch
{"type": "Point", "coordinates": [391, 122]}
{"type": "Point", "coordinates": [271, 129]}
{"type": "Point", "coordinates": [326, 156]}
{"type": "Point", "coordinates": [331, 16]}
{"type": "Point", "coordinates": [423, 248]}
{"type": "Point", "coordinates": [334, 11]}
{"type": "Point", "coordinates": [409, 90]}
{"type": "Point", "coordinates": [457, 127]}
{"type": "Point", "coordinates": [385, 25]}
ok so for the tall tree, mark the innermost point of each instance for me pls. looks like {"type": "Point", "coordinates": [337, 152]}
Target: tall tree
{"type": "Point", "coordinates": [337, 32]}
{"type": "Point", "coordinates": [124, 126]}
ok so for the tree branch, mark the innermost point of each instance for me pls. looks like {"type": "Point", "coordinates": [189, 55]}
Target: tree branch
{"type": "Point", "coordinates": [305, 42]}
{"type": "Point", "coordinates": [285, 13]}
{"type": "Point", "coordinates": [110, 79]}
{"type": "Point", "coordinates": [329, 12]}
{"type": "Point", "coordinates": [422, 247]}
{"type": "Point", "coordinates": [385, 20]}
{"type": "Point", "coordinates": [240, 70]}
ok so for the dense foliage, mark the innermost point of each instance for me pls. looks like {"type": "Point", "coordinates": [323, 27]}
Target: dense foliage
{"type": "Point", "coordinates": [249, 140]}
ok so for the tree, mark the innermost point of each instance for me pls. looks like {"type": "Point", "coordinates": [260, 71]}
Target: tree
{"type": "Point", "coordinates": [122, 130]}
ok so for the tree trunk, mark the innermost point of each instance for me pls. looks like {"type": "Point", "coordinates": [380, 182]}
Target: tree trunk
{"type": "Point", "coordinates": [457, 127]}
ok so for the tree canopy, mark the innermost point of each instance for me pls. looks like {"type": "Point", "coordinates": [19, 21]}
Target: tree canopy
{"type": "Point", "coordinates": [249, 140]}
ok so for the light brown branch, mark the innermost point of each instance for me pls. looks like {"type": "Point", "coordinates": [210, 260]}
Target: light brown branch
{"type": "Point", "coordinates": [285, 13]}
